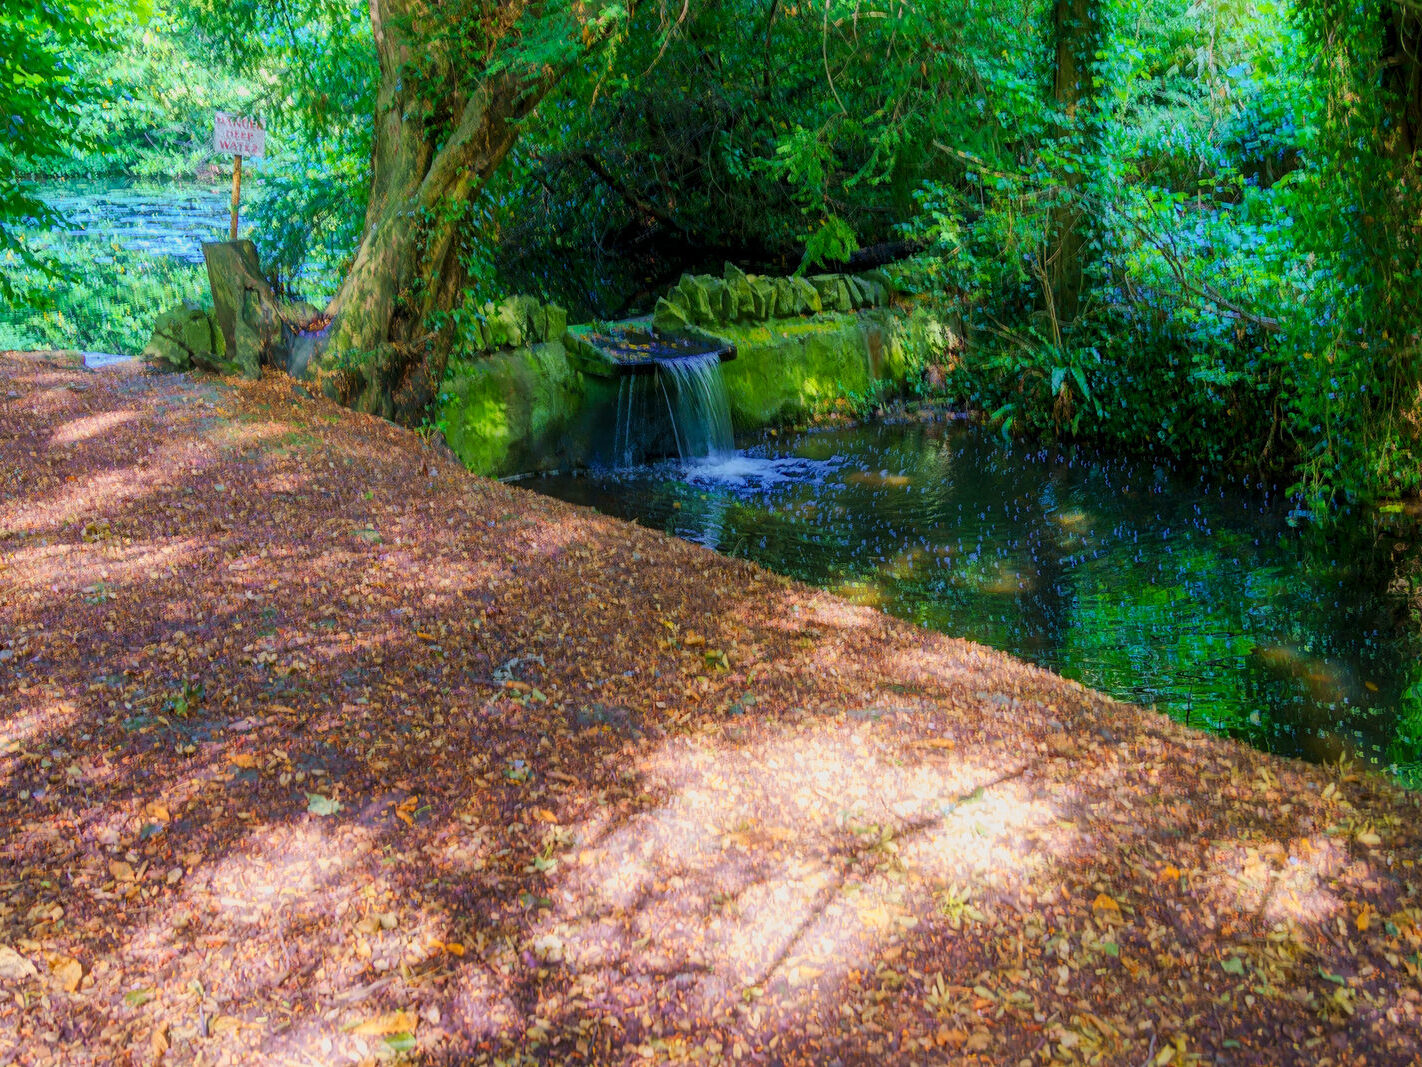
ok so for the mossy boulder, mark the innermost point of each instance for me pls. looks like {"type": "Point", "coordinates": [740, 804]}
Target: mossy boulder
{"type": "Point", "coordinates": [188, 336]}
{"type": "Point", "coordinates": [512, 413]}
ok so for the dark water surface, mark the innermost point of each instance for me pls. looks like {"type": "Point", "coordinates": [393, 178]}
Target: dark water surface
{"type": "Point", "coordinates": [1193, 596]}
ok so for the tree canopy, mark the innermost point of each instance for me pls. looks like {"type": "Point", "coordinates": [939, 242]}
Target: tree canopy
{"type": "Point", "coordinates": [1186, 228]}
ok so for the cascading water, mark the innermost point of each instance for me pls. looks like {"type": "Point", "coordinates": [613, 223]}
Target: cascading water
{"type": "Point", "coordinates": [703, 413]}
{"type": "Point", "coordinates": [679, 409]}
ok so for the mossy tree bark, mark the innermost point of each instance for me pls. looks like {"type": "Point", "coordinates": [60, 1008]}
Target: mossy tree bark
{"type": "Point", "coordinates": [446, 116]}
{"type": "Point", "coordinates": [1076, 37]}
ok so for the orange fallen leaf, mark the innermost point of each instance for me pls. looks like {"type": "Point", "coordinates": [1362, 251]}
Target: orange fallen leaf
{"type": "Point", "coordinates": [954, 1037]}
{"type": "Point", "coordinates": [69, 972]}
{"type": "Point", "coordinates": [1105, 903]}
{"type": "Point", "coordinates": [392, 1022]}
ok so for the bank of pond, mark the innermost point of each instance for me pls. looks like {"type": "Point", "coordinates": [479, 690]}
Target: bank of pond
{"type": "Point", "coordinates": [1193, 594]}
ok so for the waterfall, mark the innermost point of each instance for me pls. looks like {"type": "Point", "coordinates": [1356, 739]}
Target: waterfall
{"type": "Point", "coordinates": [702, 419]}
{"type": "Point", "coordinates": [680, 409]}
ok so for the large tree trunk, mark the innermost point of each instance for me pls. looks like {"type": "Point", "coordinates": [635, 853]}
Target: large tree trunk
{"type": "Point", "coordinates": [440, 132]}
{"type": "Point", "coordinates": [1076, 38]}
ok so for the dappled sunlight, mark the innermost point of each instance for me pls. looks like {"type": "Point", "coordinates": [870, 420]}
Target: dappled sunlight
{"type": "Point", "coordinates": [94, 498]}
{"type": "Point", "coordinates": [30, 718]}
{"type": "Point", "coordinates": [337, 764]}
{"type": "Point", "coordinates": [793, 860]}
{"type": "Point", "coordinates": [81, 429]}
{"type": "Point", "coordinates": [1281, 881]}
{"type": "Point", "coordinates": [95, 574]}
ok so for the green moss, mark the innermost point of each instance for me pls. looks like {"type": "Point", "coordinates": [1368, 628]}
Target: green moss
{"type": "Point", "coordinates": [511, 413]}
{"type": "Point", "coordinates": [792, 371]}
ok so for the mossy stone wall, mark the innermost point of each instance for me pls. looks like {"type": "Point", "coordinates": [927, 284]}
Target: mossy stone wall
{"type": "Point", "coordinates": [528, 409]}
{"type": "Point", "coordinates": [792, 370]}
{"type": "Point", "coordinates": [514, 412]}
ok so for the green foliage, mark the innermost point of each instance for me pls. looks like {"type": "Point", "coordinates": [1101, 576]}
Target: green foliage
{"type": "Point", "coordinates": [152, 117]}
{"type": "Point", "coordinates": [41, 94]}
{"type": "Point", "coordinates": [96, 296]}
{"type": "Point", "coordinates": [1252, 231]}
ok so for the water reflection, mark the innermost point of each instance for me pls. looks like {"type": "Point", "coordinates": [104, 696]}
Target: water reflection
{"type": "Point", "coordinates": [169, 219]}
{"type": "Point", "coordinates": [1193, 596]}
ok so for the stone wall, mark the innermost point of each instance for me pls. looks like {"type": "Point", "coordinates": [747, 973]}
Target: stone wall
{"type": "Point", "coordinates": [526, 407]}
{"type": "Point", "coordinates": [706, 301]}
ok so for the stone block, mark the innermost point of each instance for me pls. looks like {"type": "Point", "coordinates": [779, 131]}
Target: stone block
{"type": "Point", "coordinates": [557, 319]}
{"type": "Point", "coordinates": [762, 299]}
{"type": "Point", "coordinates": [248, 313]}
{"type": "Point", "coordinates": [718, 299]}
{"type": "Point", "coordinates": [807, 297]}
{"type": "Point", "coordinates": [786, 300]}
{"type": "Point", "coordinates": [669, 318]}
{"type": "Point", "coordinates": [698, 300]}
{"type": "Point", "coordinates": [182, 336]}
{"type": "Point", "coordinates": [833, 292]}
{"type": "Point", "coordinates": [741, 303]}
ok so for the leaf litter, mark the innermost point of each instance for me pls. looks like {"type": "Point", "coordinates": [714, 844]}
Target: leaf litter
{"type": "Point", "coordinates": [365, 759]}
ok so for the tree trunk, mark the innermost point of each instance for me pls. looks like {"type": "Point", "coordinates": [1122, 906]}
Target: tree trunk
{"type": "Point", "coordinates": [1076, 38]}
{"type": "Point", "coordinates": [439, 135]}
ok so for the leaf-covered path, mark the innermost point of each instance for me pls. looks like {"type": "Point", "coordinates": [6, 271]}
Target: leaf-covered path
{"type": "Point", "coordinates": [316, 749]}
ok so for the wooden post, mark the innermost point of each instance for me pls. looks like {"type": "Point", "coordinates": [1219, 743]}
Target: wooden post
{"type": "Point", "coordinates": [236, 191]}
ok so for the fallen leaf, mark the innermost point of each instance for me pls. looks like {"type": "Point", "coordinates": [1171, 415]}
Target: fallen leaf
{"type": "Point", "coordinates": [120, 871]}
{"type": "Point", "coordinates": [316, 804]}
{"type": "Point", "coordinates": [392, 1022]}
{"type": "Point", "coordinates": [68, 972]}
{"type": "Point", "coordinates": [14, 967]}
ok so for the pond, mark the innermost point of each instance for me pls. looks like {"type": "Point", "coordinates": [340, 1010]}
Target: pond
{"type": "Point", "coordinates": [129, 250]}
{"type": "Point", "coordinates": [1195, 596]}
{"type": "Point", "coordinates": [168, 219]}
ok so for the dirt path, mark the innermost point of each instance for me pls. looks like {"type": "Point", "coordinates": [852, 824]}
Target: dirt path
{"type": "Point", "coordinates": [316, 749]}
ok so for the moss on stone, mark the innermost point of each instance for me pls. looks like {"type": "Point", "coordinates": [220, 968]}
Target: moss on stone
{"type": "Point", "coordinates": [791, 372]}
{"type": "Point", "coordinates": [510, 413]}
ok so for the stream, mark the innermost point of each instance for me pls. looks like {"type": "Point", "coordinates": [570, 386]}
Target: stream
{"type": "Point", "coordinates": [1192, 595]}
